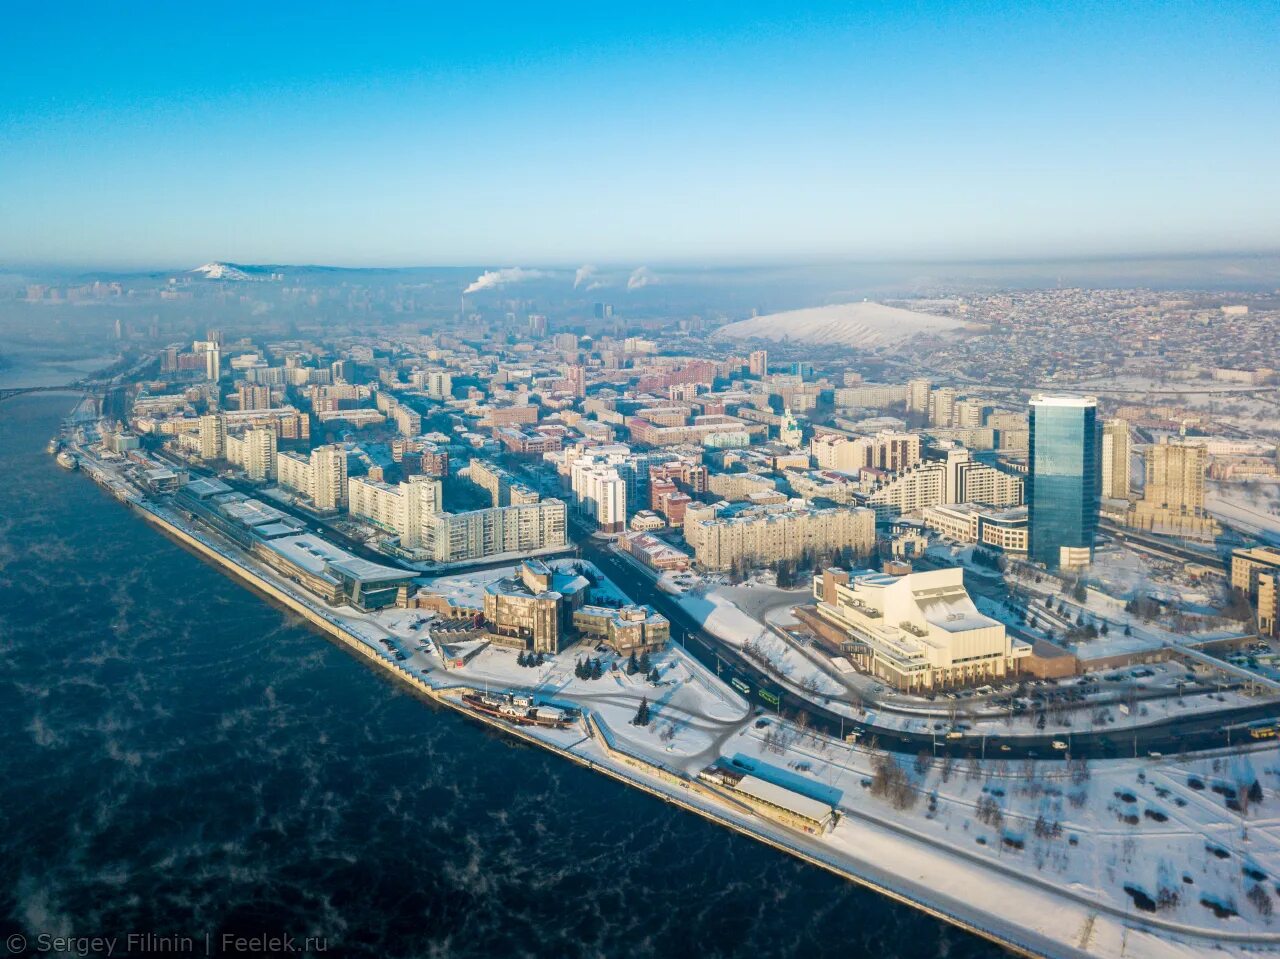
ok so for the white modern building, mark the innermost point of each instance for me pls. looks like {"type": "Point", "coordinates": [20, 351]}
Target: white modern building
{"type": "Point", "coordinates": [918, 631]}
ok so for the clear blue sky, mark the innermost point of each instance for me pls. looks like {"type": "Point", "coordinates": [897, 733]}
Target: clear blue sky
{"type": "Point", "coordinates": [172, 134]}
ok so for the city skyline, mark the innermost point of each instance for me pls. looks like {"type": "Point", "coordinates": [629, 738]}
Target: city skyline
{"type": "Point", "coordinates": [730, 134]}
{"type": "Point", "coordinates": [837, 446]}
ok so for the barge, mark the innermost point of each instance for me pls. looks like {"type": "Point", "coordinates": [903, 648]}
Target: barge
{"type": "Point", "coordinates": [519, 710]}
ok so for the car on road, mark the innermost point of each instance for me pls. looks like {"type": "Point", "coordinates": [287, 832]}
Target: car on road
{"type": "Point", "coordinates": [1059, 744]}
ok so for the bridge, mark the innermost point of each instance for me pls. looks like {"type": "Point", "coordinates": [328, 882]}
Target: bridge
{"type": "Point", "coordinates": [6, 394]}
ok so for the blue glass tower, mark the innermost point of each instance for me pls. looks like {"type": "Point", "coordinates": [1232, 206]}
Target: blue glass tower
{"type": "Point", "coordinates": [1064, 483]}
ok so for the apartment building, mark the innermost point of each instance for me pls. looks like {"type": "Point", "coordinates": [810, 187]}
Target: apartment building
{"type": "Point", "coordinates": [254, 451]}
{"type": "Point", "coordinates": [887, 450]}
{"type": "Point", "coordinates": [484, 533]}
{"type": "Point", "coordinates": [1173, 498]}
{"type": "Point", "coordinates": [320, 477]}
{"type": "Point", "coordinates": [502, 487]}
{"type": "Point", "coordinates": [1116, 460]}
{"type": "Point", "coordinates": [724, 536]}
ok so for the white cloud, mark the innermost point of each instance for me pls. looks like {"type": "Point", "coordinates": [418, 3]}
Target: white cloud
{"type": "Point", "coordinates": [492, 279]}
{"type": "Point", "coordinates": [641, 277]}
{"type": "Point", "coordinates": [585, 273]}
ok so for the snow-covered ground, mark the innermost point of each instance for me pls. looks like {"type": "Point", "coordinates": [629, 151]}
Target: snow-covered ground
{"type": "Point", "coordinates": [1170, 838]}
{"type": "Point", "coordinates": [738, 615]}
{"type": "Point", "coordinates": [1251, 507]}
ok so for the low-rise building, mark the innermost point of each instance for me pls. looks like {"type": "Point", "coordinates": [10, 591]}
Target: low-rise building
{"type": "Point", "coordinates": [625, 629]}
{"type": "Point", "coordinates": [653, 552]}
{"type": "Point", "coordinates": [1004, 530]}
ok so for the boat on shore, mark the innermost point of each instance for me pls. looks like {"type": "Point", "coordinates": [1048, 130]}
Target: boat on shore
{"type": "Point", "coordinates": [66, 460]}
{"type": "Point", "coordinates": [519, 710]}
{"type": "Point", "coordinates": [55, 444]}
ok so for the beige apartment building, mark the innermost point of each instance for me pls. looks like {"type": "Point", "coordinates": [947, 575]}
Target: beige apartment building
{"type": "Point", "coordinates": [739, 486]}
{"type": "Point", "coordinates": [482, 533]}
{"type": "Point", "coordinates": [1255, 572]}
{"type": "Point", "coordinates": [723, 537]}
{"type": "Point", "coordinates": [1116, 460]}
{"type": "Point", "coordinates": [887, 450]}
{"type": "Point", "coordinates": [320, 477]}
{"type": "Point", "coordinates": [254, 451]}
{"type": "Point", "coordinates": [502, 488]}
{"type": "Point", "coordinates": [1173, 497]}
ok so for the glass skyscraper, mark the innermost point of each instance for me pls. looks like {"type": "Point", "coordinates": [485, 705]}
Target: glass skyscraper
{"type": "Point", "coordinates": [1064, 480]}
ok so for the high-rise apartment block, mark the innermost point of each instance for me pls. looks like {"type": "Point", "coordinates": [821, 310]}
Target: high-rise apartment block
{"type": "Point", "coordinates": [1116, 452]}
{"type": "Point", "coordinates": [887, 450]}
{"type": "Point", "coordinates": [320, 477]}
{"type": "Point", "coordinates": [504, 530]}
{"type": "Point", "coordinates": [1173, 496]}
{"type": "Point", "coordinates": [213, 436]}
{"type": "Point", "coordinates": [254, 451]}
{"type": "Point", "coordinates": [918, 395]}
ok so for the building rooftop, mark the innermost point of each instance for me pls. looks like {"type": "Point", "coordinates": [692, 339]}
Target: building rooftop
{"type": "Point", "coordinates": [320, 557]}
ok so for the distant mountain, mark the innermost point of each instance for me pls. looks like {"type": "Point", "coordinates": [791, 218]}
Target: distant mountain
{"type": "Point", "coordinates": [232, 271]}
{"type": "Point", "coordinates": [846, 324]}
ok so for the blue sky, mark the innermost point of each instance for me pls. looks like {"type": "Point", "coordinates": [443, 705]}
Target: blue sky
{"type": "Point", "coordinates": [360, 134]}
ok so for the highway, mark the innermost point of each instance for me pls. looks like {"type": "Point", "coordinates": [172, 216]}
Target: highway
{"type": "Point", "coordinates": [1195, 732]}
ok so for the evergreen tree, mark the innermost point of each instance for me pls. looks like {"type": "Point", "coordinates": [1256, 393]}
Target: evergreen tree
{"type": "Point", "coordinates": [578, 669]}
{"type": "Point", "coordinates": [597, 668]}
{"type": "Point", "coordinates": [654, 675]}
{"type": "Point", "coordinates": [632, 665]}
{"type": "Point", "coordinates": [521, 661]}
{"type": "Point", "coordinates": [642, 714]}
{"type": "Point", "coordinates": [645, 665]}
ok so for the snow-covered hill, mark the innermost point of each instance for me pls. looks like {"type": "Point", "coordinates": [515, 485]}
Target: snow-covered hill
{"type": "Point", "coordinates": [846, 324]}
{"type": "Point", "coordinates": [223, 271]}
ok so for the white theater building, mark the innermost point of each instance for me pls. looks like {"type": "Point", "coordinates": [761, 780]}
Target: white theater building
{"type": "Point", "coordinates": [917, 631]}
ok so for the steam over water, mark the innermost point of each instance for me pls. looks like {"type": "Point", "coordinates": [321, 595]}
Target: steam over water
{"type": "Point", "coordinates": [182, 758]}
